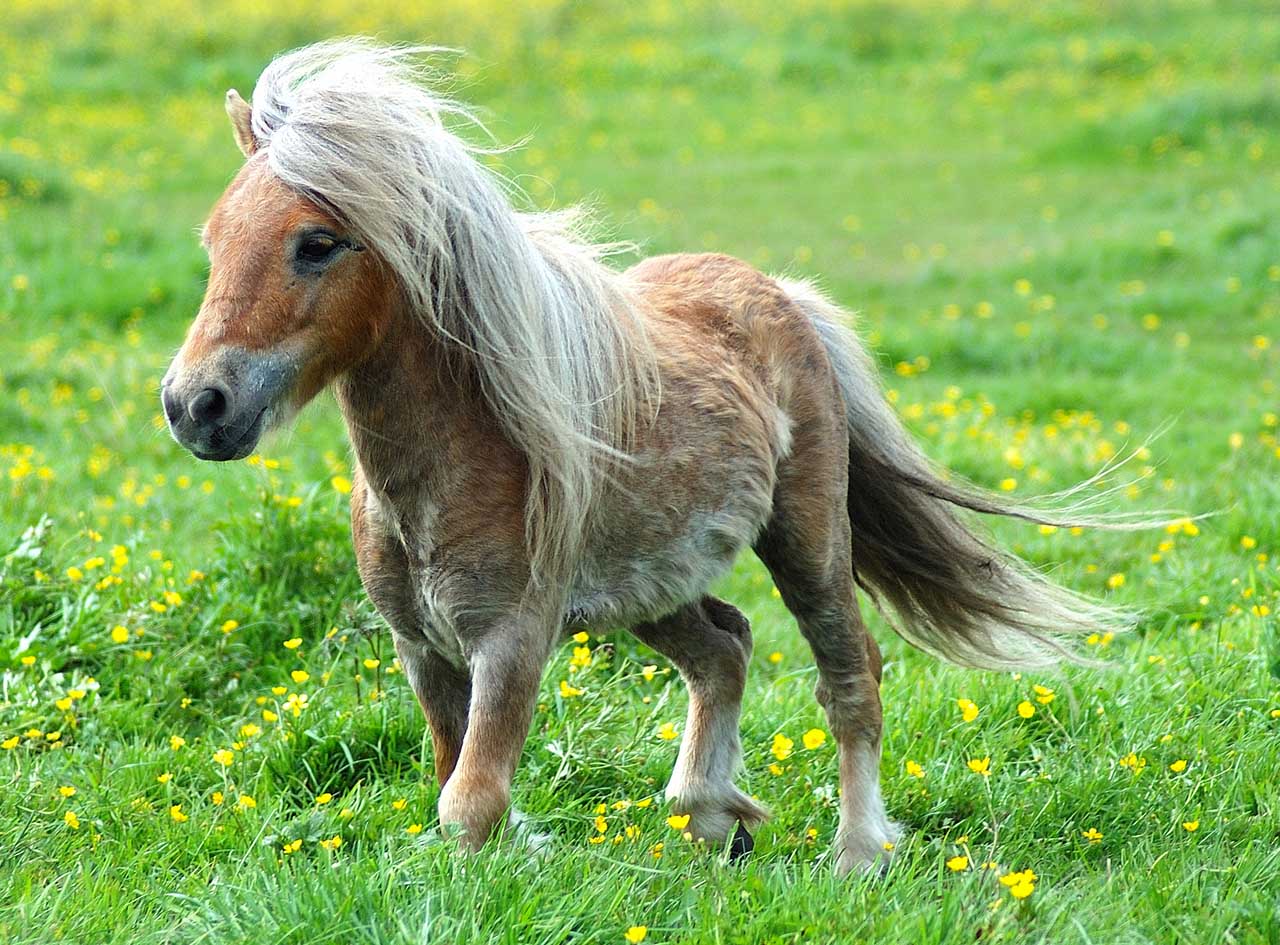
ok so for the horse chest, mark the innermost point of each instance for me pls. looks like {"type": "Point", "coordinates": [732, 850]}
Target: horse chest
{"type": "Point", "coordinates": [414, 596]}
{"type": "Point", "coordinates": [434, 621]}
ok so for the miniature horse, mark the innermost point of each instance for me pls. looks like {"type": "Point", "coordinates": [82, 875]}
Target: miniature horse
{"type": "Point", "coordinates": [543, 444]}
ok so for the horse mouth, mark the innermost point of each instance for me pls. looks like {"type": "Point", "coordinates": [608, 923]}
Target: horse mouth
{"type": "Point", "coordinates": [228, 444]}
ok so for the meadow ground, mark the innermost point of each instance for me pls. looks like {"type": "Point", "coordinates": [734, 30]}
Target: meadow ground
{"type": "Point", "coordinates": [1060, 227]}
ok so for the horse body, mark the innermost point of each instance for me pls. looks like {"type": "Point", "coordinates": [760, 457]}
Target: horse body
{"type": "Point", "coordinates": [543, 445]}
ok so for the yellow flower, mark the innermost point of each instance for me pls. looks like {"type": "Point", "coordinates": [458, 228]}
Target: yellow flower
{"type": "Point", "coordinates": [1044, 695]}
{"type": "Point", "coordinates": [648, 672]}
{"type": "Point", "coordinates": [249, 729]}
{"type": "Point", "coordinates": [567, 691]}
{"type": "Point", "coordinates": [74, 574]}
{"type": "Point", "coordinates": [229, 625]}
{"type": "Point", "coordinates": [775, 657]}
{"type": "Point", "coordinates": [293, 846]}
{"type": "Point", "coordinates": [1178, 766]}
{"type": "Point", "coordinates": [178, 816]}
{"type": "Point", "coordinates": [333, 843]}
{"type": "Point", "coordinates": [372, 663]}
{"type": "Point", "coordinates": [958, 864]}
{"type": "Point", "coordinates": [980, 766]}
{"type": "Point", "coordinates": [1133, 762]}
{"type": "Point", "coordinates": [581, 637]}
{"type": "Point", "coordinates": [636, 934]}
{"type": "Point", "coordinates": [399, 804]}
{"type": "Point", "coordinates": [914, 769]}
{"type": "Point", "coordinates": [293, 644]}
{"type": "Point", "coordinates": [299, 676]}
{"type": "Point", "coordinates": [1021, 885]}
{"type": "Point", "coordinates": [67, 791]}
{"type": "Point", "coordinates": [1115, 581]}
{"type": "Point", "coordinates": [1026, 709]}
{"type": "Point", "coordinates": [246, 802]}
{"type": "Point", "coordinates": [1092, 835]}
{"type": "Point", "coordinates": [119, 634]}
{"type": "Point", "coordinates": [71, 820]}
{"type": "Point", "coordinates": [678, 821]}
{"type": "Point", "coordinates": [341, 484]}
{"type": "Point", "coordinates": [269, 716]}
{"type": "Point", "coordinates": [1008, 485]}
{"type": "Point", "coordinates": [781, 747]}
{"type": "Point", "coordinates": [814, 738]}
{"type": "Point", "coordinates": [10, 743]}
{"type": "Point", "coordinates": [224, 757]}
{"type": "Point", "coordinates": [176, 742]}
{"type": "Point", "coordinates": [668, 732]}
{"type": "Point", "coordinates": [165, 778]}
{"type": "Point", "coordinates": [324, 798]}
{"type": "Point", "coordinates": [1191, 826]}
{"type": "Point", "coordinates": [217, 798]}
{"type": "Point", "coordinates": [968, 711]}
{"type": "Point", "coordinates": [413, 829]}
{"type": "Point", "coordinates": [581, 656]}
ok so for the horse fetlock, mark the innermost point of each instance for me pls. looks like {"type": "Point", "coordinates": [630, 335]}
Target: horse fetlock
{"type": "Point", "coordinates": [867, 847]}
{"type": "Point", "coordinates": [470, 811]}
{"type": "Point", "coordinates": [716, 814]}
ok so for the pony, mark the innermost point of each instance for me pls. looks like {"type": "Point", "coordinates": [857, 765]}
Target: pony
{"type": "Point", "coordinates": [544, 444]}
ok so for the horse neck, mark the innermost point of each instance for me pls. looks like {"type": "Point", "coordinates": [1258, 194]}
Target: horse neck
{"type": "Point", "coordinates": [410, 409]}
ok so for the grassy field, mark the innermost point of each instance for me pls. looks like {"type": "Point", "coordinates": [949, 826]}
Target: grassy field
{"type": "Point", "coordinates": [1060, 228]}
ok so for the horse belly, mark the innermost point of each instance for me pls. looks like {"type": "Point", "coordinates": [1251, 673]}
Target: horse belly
{"type": "Point", "coordinates": [653, 560]}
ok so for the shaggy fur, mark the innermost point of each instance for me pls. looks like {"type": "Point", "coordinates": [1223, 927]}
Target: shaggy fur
{"type": "Point", "coordinates": [554, 336]}
{"type": "Point", "coordinates": [543, 444]}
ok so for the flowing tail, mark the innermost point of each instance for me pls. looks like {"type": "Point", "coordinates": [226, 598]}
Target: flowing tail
{"type": "Point", "coordinates": [944, 588]}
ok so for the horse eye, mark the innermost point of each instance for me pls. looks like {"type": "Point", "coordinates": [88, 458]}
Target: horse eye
{"type": "Point", "coordinates": [317, 248]}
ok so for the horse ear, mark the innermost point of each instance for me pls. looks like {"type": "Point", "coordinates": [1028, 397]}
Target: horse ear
{"type": "Point", "coordinates": [239, 112]}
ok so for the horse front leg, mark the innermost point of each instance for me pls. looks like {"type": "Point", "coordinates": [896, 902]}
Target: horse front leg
{"type": "Point", "coordinates": [443, 691]}
{"type": "Point", "coordinates": [506, 669]}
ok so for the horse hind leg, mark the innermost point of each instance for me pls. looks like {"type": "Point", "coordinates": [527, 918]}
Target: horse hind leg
{"type": "Point", "coordinates": [710, 644]}
{"type": "Point", "coordinates": [809, 558]}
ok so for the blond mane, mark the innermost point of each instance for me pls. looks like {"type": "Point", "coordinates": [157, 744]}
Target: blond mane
{"type": "Point", "coordinates": [554, 335]}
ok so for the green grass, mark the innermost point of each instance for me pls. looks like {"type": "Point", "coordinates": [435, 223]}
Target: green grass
{"type": "Point", "coordinates": [1060, 229]}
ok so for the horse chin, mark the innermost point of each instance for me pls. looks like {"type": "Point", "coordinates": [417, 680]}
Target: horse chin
{"type": "Point", "coordinates": [231, 443]}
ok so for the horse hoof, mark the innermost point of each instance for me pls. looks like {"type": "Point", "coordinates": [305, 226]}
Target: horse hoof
{"type": "Point", "coordinates": [741, 845]}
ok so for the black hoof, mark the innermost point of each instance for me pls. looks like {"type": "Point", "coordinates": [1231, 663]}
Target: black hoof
{"type": "Point", "coordinates": [741, 845]}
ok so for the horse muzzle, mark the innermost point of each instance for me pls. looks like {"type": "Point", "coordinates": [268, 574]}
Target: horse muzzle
{"type": "Point", "coordinates": [220, 408]}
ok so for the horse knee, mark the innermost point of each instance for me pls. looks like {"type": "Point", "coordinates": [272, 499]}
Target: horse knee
{"type": "Point", "coordinates": [853, 707]}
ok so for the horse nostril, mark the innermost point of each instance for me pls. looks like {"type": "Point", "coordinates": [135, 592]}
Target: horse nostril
{"type": "Point", "coordinates": [208, 407]}
{"type": "Point", "coordinates": [172, 407]}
